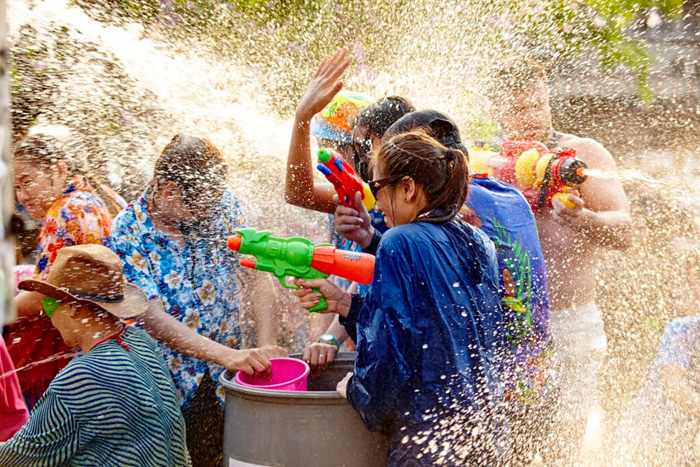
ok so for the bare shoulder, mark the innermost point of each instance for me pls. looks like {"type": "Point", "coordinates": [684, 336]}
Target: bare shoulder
{"type": "Point", "coordinates": [589, 150]}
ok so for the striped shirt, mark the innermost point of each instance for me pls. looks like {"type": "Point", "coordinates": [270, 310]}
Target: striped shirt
{"type": "Point", "coordinates": [110, 407]}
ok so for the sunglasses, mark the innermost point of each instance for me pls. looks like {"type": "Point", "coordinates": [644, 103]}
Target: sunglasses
{"type": "Point", "coordinates": [50, 305]}
{"type": "Point", "coordinates": [376, 185]}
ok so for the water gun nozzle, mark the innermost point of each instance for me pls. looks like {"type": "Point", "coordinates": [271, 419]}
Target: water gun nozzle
{"type": "Point", "coordinates": [234, 242]}
{"type": "Point", "coordinates": [248, 263]}
{"type": "Point", "coordinates": [324, 155]}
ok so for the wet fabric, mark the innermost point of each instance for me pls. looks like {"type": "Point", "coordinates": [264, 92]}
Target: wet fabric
{"type": "Point", "coordinates": [79, 217]}
{"type": "Point", "coordinates": [430, 340]}
{"type": "Point", "coordinates": [656, 432]}
{"type": "Point", "coordinates": [196, 283]}
{"type": "Point", "coordinates": [13, 411]}
{"type": "Point", "coordinates": [110, 407]}
{"type": "Point", "coordinates": [502, 212]}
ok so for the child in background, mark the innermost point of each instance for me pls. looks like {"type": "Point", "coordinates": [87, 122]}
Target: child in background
{"type": "Point", "coordinates": [430, 336]}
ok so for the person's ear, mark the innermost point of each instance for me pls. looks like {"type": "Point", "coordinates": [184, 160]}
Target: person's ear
{"type": "Point", "coordinates": [409, 189]}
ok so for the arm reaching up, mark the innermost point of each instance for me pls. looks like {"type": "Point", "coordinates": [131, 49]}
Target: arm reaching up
{"type": "Point", "coordinates": [300, 189]}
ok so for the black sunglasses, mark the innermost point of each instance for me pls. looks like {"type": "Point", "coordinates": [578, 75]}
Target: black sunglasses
{"type": "Point", "coordinates": [376, 185]}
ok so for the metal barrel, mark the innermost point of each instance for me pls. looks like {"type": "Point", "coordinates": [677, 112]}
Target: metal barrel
{"type": "Point", "coordinates": [315, 428]}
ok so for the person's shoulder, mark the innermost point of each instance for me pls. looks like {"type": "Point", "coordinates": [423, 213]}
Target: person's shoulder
{"type": "Point", "coordinates": [587, 149]}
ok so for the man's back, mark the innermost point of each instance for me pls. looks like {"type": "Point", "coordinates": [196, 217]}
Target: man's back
{"type": "Point", "coordinates": [114, 406]}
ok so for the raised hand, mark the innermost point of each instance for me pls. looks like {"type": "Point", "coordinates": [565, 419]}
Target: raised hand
{"type": "Point", "coordinates": [324, 85]}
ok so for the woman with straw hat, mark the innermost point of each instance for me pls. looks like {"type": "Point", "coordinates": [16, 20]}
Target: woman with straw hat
{"type": "Point", "coordinates": [116, 404]}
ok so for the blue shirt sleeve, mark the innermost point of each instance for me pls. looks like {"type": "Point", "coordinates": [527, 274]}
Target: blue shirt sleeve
{"type": "Point", "coordinates": [383, 334]}
{"type": "Point", "coordinates": [677, 341]}
{"type": "Point", "coordinates": [50, 437]}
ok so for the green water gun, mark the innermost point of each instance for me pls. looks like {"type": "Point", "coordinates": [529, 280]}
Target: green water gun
{"type": "Point", "coordinates": [300, 257]}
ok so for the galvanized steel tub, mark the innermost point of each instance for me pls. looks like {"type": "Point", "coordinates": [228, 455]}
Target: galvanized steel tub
{"type": "Point", "coordinates": [316, 428]}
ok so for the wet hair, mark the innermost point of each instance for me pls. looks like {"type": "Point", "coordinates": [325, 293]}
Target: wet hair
{"type": "Point", "coordinates": [47, 151]}
{"type": "Point", "coordinates": [377, 118]}
{"type": "Point", "coordinates": [442, 172]}
{"type": "Point", "coordinates": [194, 165]}
{"type": "Point", "coordinates": [437, 124]}
{"type": "Point", "coordinates": [512, 76]}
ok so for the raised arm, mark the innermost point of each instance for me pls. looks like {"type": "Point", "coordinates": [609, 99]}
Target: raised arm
{"type": "Point", "coordinates": [602, 213]}
{"type": "Point", "coordinates": [300, 189]}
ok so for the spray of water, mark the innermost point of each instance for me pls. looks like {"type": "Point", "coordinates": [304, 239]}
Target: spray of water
{"type": "Point", "coordinates": [124, 88]}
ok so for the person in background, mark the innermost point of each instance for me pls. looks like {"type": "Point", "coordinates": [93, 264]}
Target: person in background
{"type": "Point", "coordinates": [115, 404]}
{"type": "Point", "coordinates": [172, 240]}
{"type": "Point", "coordinates": [572, 241]}
{"type": "Point", "coordinates": [429, 333]}
{"type": "Point", "coordinates": [52, 188]}
{"type": "Point", "coordinates": [662, 425]}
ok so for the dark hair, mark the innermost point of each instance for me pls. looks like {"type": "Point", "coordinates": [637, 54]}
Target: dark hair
{"type": "Point", "coordinates": [511, 76]}
{"type": "Point", "coordinates": [47, 151]}
{"type": "Point", "coordinates": [194, 165]}
{"type": "Point", "coordinates": [377, 118]}
{"type": "Point", "coordinates": [437, 124]}
{"type": "Point", "coordinates": [442, 172]}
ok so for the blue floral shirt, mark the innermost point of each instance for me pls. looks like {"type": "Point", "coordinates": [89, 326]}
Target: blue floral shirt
{"type": "Point", "coordinates": [197, 282]}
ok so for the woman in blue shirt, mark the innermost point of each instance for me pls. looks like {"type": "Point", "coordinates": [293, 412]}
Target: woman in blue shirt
{"type": "Point", "coordinates": [429, 334]}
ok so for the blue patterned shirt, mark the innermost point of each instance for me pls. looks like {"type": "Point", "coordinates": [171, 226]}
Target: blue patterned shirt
{"type": "Point", "coordinates": [111, 407]}
{"type": "Point", "coordinates": [197, 282]}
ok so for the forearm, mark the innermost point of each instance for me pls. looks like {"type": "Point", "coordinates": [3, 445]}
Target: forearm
{"type": "Point", "coordinates": [300, 189]}
{"type": "Point", "coordinates": [611, 229]}
{"type": "Point", "coordinates": [179, 337]}
{"type": "Point", "coordinates": [337, 330]}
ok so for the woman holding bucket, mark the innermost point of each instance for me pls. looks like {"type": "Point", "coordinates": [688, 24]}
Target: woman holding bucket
{"type": "Point", "coordinates": [430, 331]}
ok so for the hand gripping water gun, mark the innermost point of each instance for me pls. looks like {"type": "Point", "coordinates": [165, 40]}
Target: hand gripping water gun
{"type": "Point", "coordinates": [540, 174]}
{"type": "Point", "coordinates": [299, 257]}
{"type": "Point", "coordinates": [344, 179]}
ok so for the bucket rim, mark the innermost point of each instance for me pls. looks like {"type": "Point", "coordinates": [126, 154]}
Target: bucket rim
{"type": "Point", "coordinates": [271, 387]}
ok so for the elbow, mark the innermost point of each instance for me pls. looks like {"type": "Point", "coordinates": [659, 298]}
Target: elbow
{"type": "Point", "coordinates": [626, 236]}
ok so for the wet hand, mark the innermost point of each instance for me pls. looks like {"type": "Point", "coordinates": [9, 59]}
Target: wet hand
{"type": "Point", "coordinates": [342, 387]}
{"type": "Point", "coordinates": [319, 354]}
{"type": "Point", "coordinates": [249, 361]}
{"type": "Point", "coordinates": [354, 224]}
{"type": "Point", "coordinates": [308, 299]}
{"type": "Point", "coordinates": [273, 351]}
{"type": "Point", "coordinates": [324, 85]}
{"type": "Point", "coordinates": [566, 215]}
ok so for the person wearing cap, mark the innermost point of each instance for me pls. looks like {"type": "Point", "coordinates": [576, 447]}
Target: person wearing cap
{"type": "Point", "coordinates": [572, 238]}
{"type": "Point", "coordinates": [172, 240]}
{"type": "Point", "coordinates": [114, 405]}
{"type": "Point", "coordinates": [501, 211]}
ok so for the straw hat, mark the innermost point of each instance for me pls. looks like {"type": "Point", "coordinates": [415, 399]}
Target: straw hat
{"type": "Point", "coordinates": [91, 274]}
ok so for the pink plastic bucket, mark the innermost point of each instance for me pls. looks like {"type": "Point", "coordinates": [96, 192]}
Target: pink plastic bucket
{"type": "Point", "coordinates": [288, 374]}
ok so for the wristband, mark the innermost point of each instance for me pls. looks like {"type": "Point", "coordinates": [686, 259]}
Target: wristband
{"type": "Point", "coordinates": [330, 340]}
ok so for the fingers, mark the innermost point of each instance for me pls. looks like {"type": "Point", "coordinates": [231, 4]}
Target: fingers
{"type": "Point", "coordinates": [345, 211]}
{"type": "Point", "coordinates": [321, 67]}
